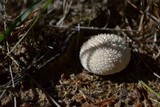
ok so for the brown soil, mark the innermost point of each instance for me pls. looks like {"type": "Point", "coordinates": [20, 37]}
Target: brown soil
{"type": "Point", "coordinates": [46, 67]}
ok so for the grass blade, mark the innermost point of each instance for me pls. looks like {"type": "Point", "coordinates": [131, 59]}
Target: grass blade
{"type": "Point", "coordinates": [22, 17]}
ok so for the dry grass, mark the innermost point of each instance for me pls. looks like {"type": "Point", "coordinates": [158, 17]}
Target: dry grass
{"type": "Point", "coordinates": [39, 64]}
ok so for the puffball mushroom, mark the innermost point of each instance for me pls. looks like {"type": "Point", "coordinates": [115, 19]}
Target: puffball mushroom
{"type": "Point", "coordinates": [105, 54]}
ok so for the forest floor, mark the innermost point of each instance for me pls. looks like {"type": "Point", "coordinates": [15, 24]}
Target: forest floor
{"type": "Point", "coordinates": [39, 60]}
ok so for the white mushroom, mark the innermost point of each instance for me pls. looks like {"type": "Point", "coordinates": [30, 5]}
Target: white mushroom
{"type": "Point", "coordinates": [105, 54]}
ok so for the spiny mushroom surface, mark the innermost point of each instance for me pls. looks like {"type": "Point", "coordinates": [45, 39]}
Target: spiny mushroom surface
{"type": "Point", "coordinates": [105, 54]}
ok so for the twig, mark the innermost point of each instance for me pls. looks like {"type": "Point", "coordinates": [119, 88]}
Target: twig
{"type": "Point", "coordinates": [141, 23]}
{"type": "Point", "coordinates": [20, 40]}
{"type": "Point", "coordinates": [77, 28]}
{"type": "Point", "coordinates": [62, 51]}
{"type": "Point", "coordinates": [10, 68]}
{"type": "Point", "coordinates": [13, 85]}
{"type": "Point", "coordinates": [156, 75]}
{"type": "Point", "coordinates": [147, 87]}
{"type": "Point", "coordinates": [24, 35]}
{"type": "Point", "coordinates": [16, 79]}
{"type": "Point", "coordinates": [32, 67]}
{"type": "Point", "coordinates": [2, 94]}
{"type": "Point", "coordinates": [154, 18]}
{"type": "Point", "coordinates": [43, 90]}
{"type": "Point", "coordinates": [155, 101]}
{"type": "Point", "coordinates": [66, 8]}
{"type": "Point", "coordinates": [134, 6]}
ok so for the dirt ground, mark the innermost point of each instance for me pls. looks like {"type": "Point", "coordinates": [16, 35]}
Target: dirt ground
{"type": "Point", "coordinates": [43, 69]}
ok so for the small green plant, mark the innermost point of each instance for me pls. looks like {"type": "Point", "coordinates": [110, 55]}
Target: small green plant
{"type": "Point", "coordinates": [24, 15]}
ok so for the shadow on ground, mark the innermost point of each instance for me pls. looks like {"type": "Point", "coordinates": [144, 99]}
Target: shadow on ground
{"type": "Point", "coordinates": [141, 67]}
